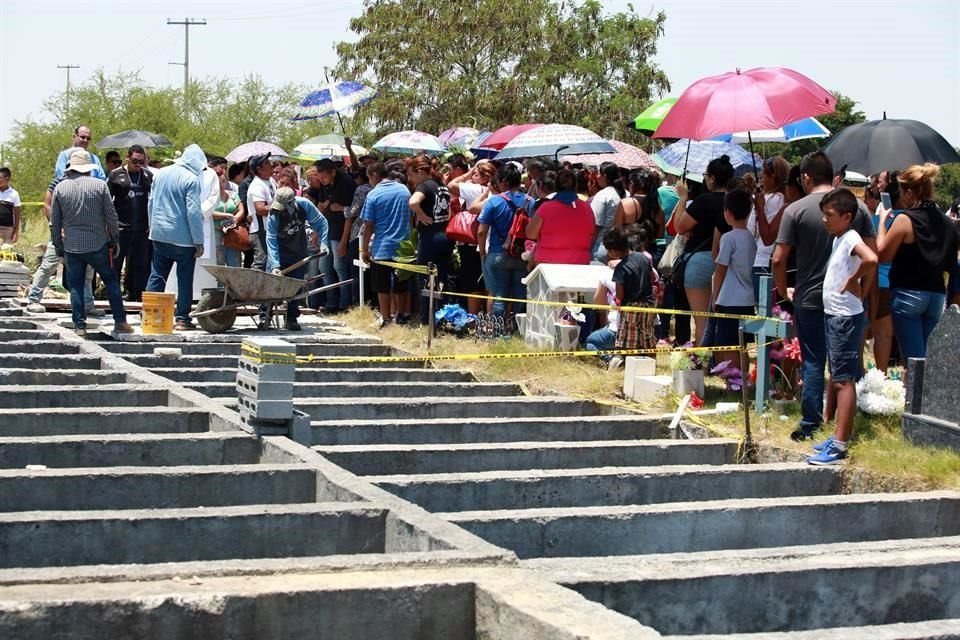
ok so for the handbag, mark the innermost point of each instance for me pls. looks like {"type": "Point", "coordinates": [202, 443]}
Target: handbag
{"type": "Point", "coordinates": [463, 227]}
{"type": "Point", "coordinates": [673, 251]}
{"type": "Point", "coordinates": [236, 236]}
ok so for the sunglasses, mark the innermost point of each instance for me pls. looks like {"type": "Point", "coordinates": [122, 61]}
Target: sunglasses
{"type": "Point", "coordinates": [137, 161]}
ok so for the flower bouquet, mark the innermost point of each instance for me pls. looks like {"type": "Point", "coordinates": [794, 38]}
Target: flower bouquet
{"type": "Point", "coordinates": [879, 395]}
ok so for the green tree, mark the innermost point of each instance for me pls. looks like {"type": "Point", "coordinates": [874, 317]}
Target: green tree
{"type": "Point", "coordinates": [844, 115]}
{"type": "Point", "coordinates": [440, 64]}
{"type": "Point", "coordinates": [948, 184]}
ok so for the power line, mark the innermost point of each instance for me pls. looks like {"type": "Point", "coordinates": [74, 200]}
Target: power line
{"type": "Point", "coordinates": [187, 23]}
{"type": "Point", "coordinates": [68, 67]}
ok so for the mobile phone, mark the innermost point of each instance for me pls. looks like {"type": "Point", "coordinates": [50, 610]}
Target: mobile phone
{"type": "Point", "coordinates": [885, 199]}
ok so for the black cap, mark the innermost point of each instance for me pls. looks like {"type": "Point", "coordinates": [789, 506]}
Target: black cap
{"type": "Point", "coordinates": [255, 161]}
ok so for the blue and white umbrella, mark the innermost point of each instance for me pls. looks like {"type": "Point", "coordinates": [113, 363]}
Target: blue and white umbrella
{"type": "Point", "coordinates": [551, 139]}
{"type": "Point", "coordinates": [693, 156]}
{"type": "Point", "coordinates": [799, 130]}
{"type": "Point", "coordinates": [335, 98]}
{"type": "Point", "coordinates": [408, 143]}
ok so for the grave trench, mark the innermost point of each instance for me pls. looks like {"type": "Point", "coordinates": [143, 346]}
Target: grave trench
{"type": "Point", "coordinates": [532, 483]}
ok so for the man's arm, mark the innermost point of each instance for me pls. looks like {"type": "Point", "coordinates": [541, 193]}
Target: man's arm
{"type": "Point", "coordinates": [61, 167]}
{"type": "Point", "coordinates": [16, 224]}
{"type": "Point", "coordinates": [110, 219]}
{"type": "Point", "coordinates": [47, 200]}
{"type": "Point", "coordinates": [367, 234]}
{"type": "Point", "coordinates": [273, 248]}
{"type": "Point", "coordinates": [56, 226]}
{"type": "Point", "coordinates": [316, 221]}
{"type": "Point", "coordinates": [781, 255]}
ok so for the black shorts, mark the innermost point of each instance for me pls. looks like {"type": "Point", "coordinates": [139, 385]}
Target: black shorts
{"type": "Point", "coordinates": [381, 278]}
{"type": "Point", "coordinates": [470, 275]}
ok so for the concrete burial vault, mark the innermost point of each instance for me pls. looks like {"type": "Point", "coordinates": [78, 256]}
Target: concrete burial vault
{"type": "Point", "coordinates": [418, 503]}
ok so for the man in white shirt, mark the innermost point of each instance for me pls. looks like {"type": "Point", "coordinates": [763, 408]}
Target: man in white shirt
{"type": "Point", "coordinates": [259, 198]}
{"type": "Point", "coordinates": [9, 209]}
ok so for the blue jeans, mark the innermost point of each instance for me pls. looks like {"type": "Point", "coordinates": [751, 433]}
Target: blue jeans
{"type": "Point", "coordinates": [76, 275]}
{"type": "Point", "coordinates": [915, 314]}
{"type": "Point", "coordinates": [602, 339]}
{"type": "Point", "coordinates": [503, 275]}
{"type": "Point", "coordinates": [813, 347]}
{"type": "Point", "coordinates": [164, 255]}
{"type": "Point", "coordinates": [335, 269]}
{"type": "Point", "coordinates": [293, 306]}
{"type": "Point", "coordinates": [435, 247]}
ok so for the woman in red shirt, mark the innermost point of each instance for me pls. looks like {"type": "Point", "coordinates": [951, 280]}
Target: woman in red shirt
{"type": "Point", "coordinates": [563, 226]}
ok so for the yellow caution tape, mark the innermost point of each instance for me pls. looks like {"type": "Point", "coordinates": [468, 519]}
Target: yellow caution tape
{"type": "Point", "coordinates": [422, 269]}
{"type": "Point", "coordinates": [9, 256]}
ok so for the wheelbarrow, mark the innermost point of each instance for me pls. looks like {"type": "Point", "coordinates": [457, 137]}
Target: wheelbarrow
{"type": "Point", "coordinates": [217, 309]}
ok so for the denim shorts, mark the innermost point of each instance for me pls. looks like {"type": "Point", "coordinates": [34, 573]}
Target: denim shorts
{"type": "Point", "coordinates": [699, 271]}
{"type": "Point", "coordinates": [844, 337]}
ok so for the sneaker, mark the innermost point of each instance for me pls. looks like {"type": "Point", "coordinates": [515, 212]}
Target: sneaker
{"type": "Point", "coordinates": [36, 307]}
{"type": "Point", "coordinates": [123, 327]}
{"type": "Point", "coordinates": [801, 434]}
{"type": "Point", "coordinates": [184, 326]}
{"type": "Point", "coordinates": [383, 321]}
{"type": "Point", "coordinates": [93, 312]}
{"type": "Point", "coordinates": [82, 333]}
{"type": "Point", "coordinates": [293, 325]}
{"type": "Point", "coordinates": [616, 362]}
{"type": "Point", "coordinates": [831, 454]}
{"type": "Point", "coordinates": [820, 446]}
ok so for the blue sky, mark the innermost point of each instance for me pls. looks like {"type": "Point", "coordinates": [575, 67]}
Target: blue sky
{"type": "Point", "coordinates": [889, 55]}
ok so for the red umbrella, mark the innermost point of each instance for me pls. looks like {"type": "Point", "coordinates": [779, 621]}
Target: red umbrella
{"type": "Point", "coordinates": [762, 98]}
{"type": "Point", "coordinates": [502, 136]}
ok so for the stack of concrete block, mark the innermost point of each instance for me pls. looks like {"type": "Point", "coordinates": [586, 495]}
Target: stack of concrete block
{"type": "Point", "coordinates": [265, 378]}
{"type": "Point", "coordinates": [640, 380]}
{"type": "Point", "coordinates": [12, 275]}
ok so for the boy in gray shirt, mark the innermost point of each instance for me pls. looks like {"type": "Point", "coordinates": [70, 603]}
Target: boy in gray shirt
{"type": "Point", "coordinates": [733, 277]}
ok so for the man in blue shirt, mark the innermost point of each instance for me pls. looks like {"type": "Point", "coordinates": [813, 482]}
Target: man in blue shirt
{"type": "Point", "coordinates": [81, 138]}
{"type": "Point", "coordinates": [386, 219]}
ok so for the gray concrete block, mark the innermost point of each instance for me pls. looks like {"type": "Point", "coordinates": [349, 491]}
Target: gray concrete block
{"type": "Point", "coordinates": [100, 420]}
{"type": "Point", "coordinates": [300, 431]}
{"type": "Point", "coordinates": [440, 458]}
{"type": "Point", "coordinates": [489, 430]}
{"type": "Point", "coordinates": [257, 389]}
{"type": "Point", "coordinates": [147, 450]}
{"type": "Point", "coordinates": [140, 487]}
{"type": "Point", "coordinates": [928, 431]}
{"type": "Point", "coordinates": [723, 524]}
{"type": "Point", "coordinates": [71, 538]}
{"type": "Point", "coordinates": [267, 409]}
{"type": "Point", "coordinates": [607, 486]}
{"type": "Point", "coordinates": [267, 372]}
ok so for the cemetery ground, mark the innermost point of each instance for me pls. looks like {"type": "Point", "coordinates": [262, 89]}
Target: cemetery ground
{"type": "Point", "coordinates": [880, 459]}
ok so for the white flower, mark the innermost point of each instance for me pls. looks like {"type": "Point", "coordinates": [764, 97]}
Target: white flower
{"type": "Point", "coordinates": [878, 395]}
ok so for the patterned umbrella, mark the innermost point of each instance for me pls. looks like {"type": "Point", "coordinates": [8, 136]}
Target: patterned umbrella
{"type": "Point", "coordinates": [626, 156]}
{"type": "Point", "coordinates": [648, 121]}
{"type": "Point", "coordinates": [695, 156]}
{"type": "Point", "coordinates": [410, 143]}
{"type": "Point", "coordinates": [335, 98]}
{"type": "Point", "coordinates": [256, 148]}
{"type": "Point", "coordinates": [459, 137]}
{"type": "Point", "coordinates": [331, 145]}
{"type": "Point", "coordinates": [552, 139]}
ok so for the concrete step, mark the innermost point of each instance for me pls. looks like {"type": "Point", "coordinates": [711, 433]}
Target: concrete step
{"type": "Point", "coordinates": [177, 487]}
{"type": "Point", "coordinates": [38, 361]}
{"type": "Point", "coordinates": [8, 334]}
{"type": "Point", "coordinates": [40, 347]}
{"type": "Point", "coordinates": [149, 450]}
{"type": "Point", "coordinates": [429, 408]}
{"type": "Point", "coordinates": [316, 374]}
{"type": "Point", "coordinates": [100, 420]}
{"type": "Point", "coordinates": [924, 630]}
{"type": "Point", "coordinates": [60, 377]}
{"type": "Point", "coordinates": [221, 361]}
{"type": "Point", "coordinates": [608, 486]}
{"type": "Point", "coordinates": [366, 460]}
{"type": "Point", "coordinates": [488, 430]}
{"type": "Point", "coordinates": [107, 395]}
{"type": "Point", "coordinates": [27, 325]}
{"type": "Point", "coordinates": [73, 538]}
{"type": "Point", "coordinates": [783, 589]}
{"type": "Point", "coordinates": [723, 524]}
{"type": "Point", "coordinates": [374, 389]}
{"type": "Point", "coordinates": [233, 348]}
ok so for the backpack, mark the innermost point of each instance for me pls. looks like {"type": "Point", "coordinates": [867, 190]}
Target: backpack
{"type": "Point", "coordinates": [514, 245]}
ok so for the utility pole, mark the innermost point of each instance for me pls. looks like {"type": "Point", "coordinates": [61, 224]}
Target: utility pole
{"type": "Point", "coordinates": [68, 67]}
{"type": "Point", "coordinates": [187, 23]}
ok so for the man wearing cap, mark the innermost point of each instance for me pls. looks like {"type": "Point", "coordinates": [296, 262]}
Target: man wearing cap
{"type": "Point", "coordinates": [287, 239]}
{"type": "Point", "coordinates": [81, 138]}
{"type": "Point", "coordinates": [84, 229]}
{"type": "Point", "coordinates": [130, 187]}
{"type": "Point", "coordinates": [258, 198]}
{"type": "Point", "coordinates": [176, 228]}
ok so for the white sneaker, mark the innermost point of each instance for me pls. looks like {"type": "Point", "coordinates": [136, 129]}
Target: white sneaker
{"type": "Point", "coordinates": [36, 307]}
{"type": "Point", "coordinates": [616, 362]}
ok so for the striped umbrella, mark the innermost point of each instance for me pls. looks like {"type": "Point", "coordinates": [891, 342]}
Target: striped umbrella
{"type": "Point", "coordinates": [694, 156]}
{"type": "Point", "coordinates": [335, 98]}
{"type": "Point", "coordinates": [410, 143]}
{"type": "Point", "coordinates": [553, 139]}
{"type": "Point", "coordinates": [626, 156]}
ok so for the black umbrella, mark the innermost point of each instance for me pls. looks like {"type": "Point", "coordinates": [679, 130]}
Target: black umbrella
{"type": "Point", "coordinates": [881, 145]}
{"type": "Point", "coordinates": [129, 138]}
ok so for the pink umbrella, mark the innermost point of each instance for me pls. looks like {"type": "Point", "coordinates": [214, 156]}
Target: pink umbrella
{"type": "Point", "coordinates": [762, 98]}
{"type": "Point", "coordinates": [626, 156]}
{"type": "Point", "coordinates": [502, 136]}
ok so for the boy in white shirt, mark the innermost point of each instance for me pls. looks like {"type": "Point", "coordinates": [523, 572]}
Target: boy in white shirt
{"type": "Point", "coordinates": [850, 272]}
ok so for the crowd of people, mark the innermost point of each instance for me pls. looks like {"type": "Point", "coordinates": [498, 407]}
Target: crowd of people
{"type": "Point", "coordinates": [841, 265]}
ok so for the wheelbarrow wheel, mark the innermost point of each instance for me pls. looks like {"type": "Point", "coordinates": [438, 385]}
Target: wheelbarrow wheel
{"type": "Point", "coordinates": [217, 322]}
